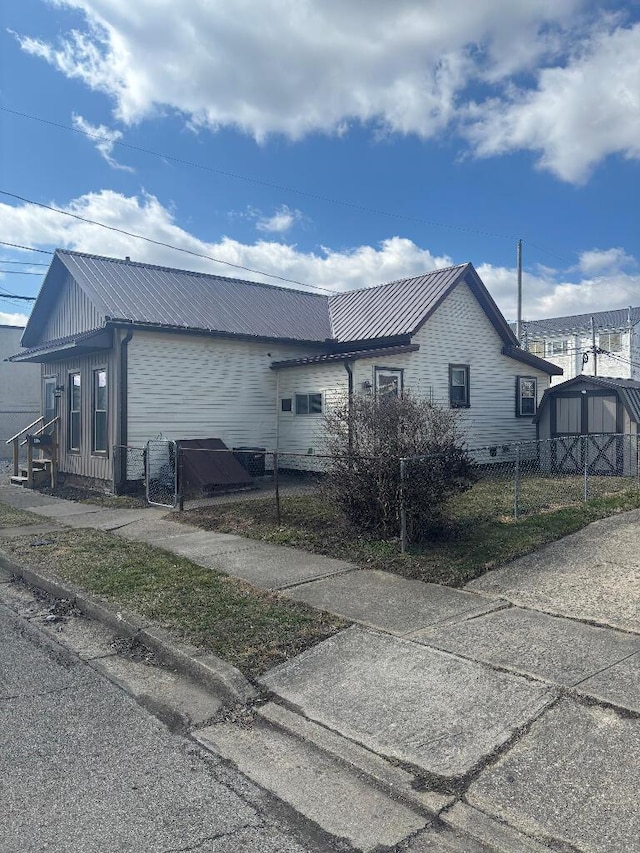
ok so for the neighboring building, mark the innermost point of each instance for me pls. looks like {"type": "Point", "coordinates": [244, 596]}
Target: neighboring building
{"type": "Point", "coordinates": [19, 389]}
{"type": "Point", "coordinates": [567, 342]}
{"type": "Point", "coordinates": [137, 352]}
{"type": "Point", "coordinates": [594, 420]}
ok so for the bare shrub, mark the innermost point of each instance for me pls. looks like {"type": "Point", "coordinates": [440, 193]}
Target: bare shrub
{"type": "Point", "coordinates": [367, 439]}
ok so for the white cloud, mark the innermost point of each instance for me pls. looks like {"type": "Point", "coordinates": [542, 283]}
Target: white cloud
{"type": "Point", "coordinates": [580, 112]}
{"type": "Point", "coordinates": [597, 261]}
{"type": "Point", "coordinates": [105, 139]}
{"type": "Point", "coordinates": [558, 77]}
{"type": "Point", "coordinates": [279, 222]}
{"type": "Point", "coordinates": [13, 319]}
{"type": "Point", "coordinates": [551, 293]}
{"type": "Point", "coordinates": [547, 292]}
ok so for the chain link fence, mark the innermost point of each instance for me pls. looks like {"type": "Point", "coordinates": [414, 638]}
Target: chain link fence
{"type": "Point", "coordinates": [510, 481]}
{"type": "Point", "coordinates": [519, 479]}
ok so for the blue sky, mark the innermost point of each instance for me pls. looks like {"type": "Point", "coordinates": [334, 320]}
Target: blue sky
{"type": "Point", "coordinates": [337, 144]}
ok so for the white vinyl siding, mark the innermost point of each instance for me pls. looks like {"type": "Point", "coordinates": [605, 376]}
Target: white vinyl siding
{"type": "Point", "coordinates": [183, 386]}
{"type": "Point", "coordinates": [459, 332]}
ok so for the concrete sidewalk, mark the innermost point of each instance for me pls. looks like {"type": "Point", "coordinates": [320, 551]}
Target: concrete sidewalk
{"type": "Point", "coordinates": [513, 705]}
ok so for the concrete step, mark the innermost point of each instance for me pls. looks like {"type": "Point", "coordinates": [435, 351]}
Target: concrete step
{"type": "Point", "coordinates": [18, 481]}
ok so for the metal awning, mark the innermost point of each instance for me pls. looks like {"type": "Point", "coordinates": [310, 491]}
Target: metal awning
{"type": "Point", "coordinates": [69, 347]}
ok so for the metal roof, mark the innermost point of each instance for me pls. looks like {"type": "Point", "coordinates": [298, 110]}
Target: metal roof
{"type": "Point", "coordinates": [180, 300]}
{"type": "Point", "coordinates": [397, 308]}
{"type": "Point", "coordinates": [352, 355]}
{"type": "Point", "coordinates": [628, 390]}
{"type": "Point", "coordinates": [605, 320]}
{"type": "Point", "coordinates": [144, 293]}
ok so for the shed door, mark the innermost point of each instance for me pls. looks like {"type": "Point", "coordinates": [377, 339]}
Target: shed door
{"type": "Point", "coordinates": [604, 449]}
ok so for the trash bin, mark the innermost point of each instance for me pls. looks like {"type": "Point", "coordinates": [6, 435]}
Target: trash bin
{"type": "Point", "coordinates": [251, 459]}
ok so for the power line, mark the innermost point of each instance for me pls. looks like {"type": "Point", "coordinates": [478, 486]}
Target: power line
{"type": "Point", "coordinates": [280, 187]}
{"type": "Point", "coordinates": [161, 243]}
{"type": "Point", "coordinates": [4, 295]}
{"type": "Point", "coordinates": [23, 263]}
{"type": "Point", "coordinates": [26, 248]}
{"type": "Point", "coordinates": [19, 272]}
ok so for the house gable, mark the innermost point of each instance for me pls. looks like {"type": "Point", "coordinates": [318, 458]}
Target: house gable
{"type": "Point", "coordinates": [62, 309]}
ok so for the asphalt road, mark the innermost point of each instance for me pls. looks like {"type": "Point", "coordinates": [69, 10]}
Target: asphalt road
{"type": "Point", "coordinates": [84, 768]}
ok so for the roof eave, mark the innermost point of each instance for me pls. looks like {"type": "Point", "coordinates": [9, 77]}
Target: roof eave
{"type": "Point", "coordinates": [121, 323]}
{"type": "Point", "coordinates": [341, 357]}
{"type": "Point", "coordinates": [525, 357]}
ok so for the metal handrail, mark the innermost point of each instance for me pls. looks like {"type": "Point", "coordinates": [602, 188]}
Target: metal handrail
{"type": "Point", "coordinates": [42, 428]}
{"type": "Point", "coordinates": [22, 431]}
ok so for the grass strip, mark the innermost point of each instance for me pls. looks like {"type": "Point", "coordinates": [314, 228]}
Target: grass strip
{"type": "Point", "coordinates": [480, 534]}
{"type": "Point", "coordinates": [12, 517]}
{"type": "Point", "coordinates": [250, 629]}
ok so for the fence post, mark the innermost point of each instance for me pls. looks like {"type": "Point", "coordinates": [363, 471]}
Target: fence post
{"type": "Point", "coordinates": [585, 456]}
{"type": "Point", "coordinates": [403, 508]}
{"type": "Point", "coordinates": [180, 476]}
{"type": "Point", "coordinates": [276, 483]}
{"type": "Point", "coordinates": [516, 483]}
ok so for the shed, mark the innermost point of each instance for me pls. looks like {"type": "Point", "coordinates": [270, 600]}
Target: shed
{"type": "Point", "coordinates": [605, 411]}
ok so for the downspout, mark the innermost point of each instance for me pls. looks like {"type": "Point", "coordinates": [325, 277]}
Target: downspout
{"type": "Point", "coordinates": [277, 409]}
{"type": "Point", "coordinates": [123, 414]}
{"type": "Point", "coordinates": [349, 368]}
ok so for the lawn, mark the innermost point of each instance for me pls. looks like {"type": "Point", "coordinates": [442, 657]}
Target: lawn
{"type": "Point", "coordinates": [481, 532]}
{"type": "Point", "coordinates": [12, 517]}
{"type": "Point", "coordinates": [251, 629]}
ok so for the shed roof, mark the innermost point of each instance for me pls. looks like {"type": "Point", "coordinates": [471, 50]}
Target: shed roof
{"type": "Point", "coordinates": [627, 389]}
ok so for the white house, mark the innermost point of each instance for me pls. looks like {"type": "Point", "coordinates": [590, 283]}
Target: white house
{"type": "Point", "coordinates": [132, 351]}
{"type": "Point", "coordinates": [568, 343]}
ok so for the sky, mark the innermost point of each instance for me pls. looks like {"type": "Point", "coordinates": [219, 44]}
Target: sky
{"type": "Point", "coordinates": [327, 144]}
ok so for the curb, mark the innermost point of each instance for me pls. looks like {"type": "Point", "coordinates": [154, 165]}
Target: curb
{"type": "Point", "coordinates": [206, 669]}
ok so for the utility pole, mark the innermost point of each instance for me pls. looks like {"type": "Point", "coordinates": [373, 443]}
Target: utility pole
{"type": "Point", "coordinates": [593, 347]}
{"type": "Point", "coordinates": [519, 313]}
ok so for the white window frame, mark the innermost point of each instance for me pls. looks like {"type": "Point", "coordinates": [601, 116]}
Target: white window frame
{"type": "Point", "coordinates": [308, 413]}
{"type": "Point", "coordinates": [604, 341]}
{"type": "Point", "coordinates": [99, 451]}
{"type": "Point", "coordinates": [74, 446]}
{"type": "Point", "coordinates": [521, 380]}
{"type": "Point", "coordinates": [466, 402]}
{"type": "Point", "coordinates": [397, 373]}
{"type": "Point", "coordinates": [557, 346]}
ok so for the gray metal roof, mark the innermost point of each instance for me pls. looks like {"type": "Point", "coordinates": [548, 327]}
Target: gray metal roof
{"type": "Point", "coordinates": [393, 309]}
{"type": "Point", "coordinates": [144, 293]}
{"type": "Point", "coordinates": [604, 320]}
{"type": "Point", "coordinates": [352, 355]}
{"type": "Point", "coordinates": [126, 291]}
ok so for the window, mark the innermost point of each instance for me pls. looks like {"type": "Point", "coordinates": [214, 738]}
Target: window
{"type": "Point", "coordinates": [99, 440]}
{"type": "Point", "coordinates": [537, 348]}
{"type": "Point", "coordinates": [49, 399]}
{"type": "Point", "coordinates": [527, 396]}
{"type": "Point", "coordinates": [388, 382]}
{"type": "Point", "coordinates": [610, 341]}
{"type": "Point", "coordinates": [308, 404]}
{"type": "Point", "coordinates": [285, 404]}
{"type": "Point", "coordinates": [74, 411]}
{"type": "Point", "coordinates": [558, 347]}
{"type": "Point", "coordinates": [459, 386]}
